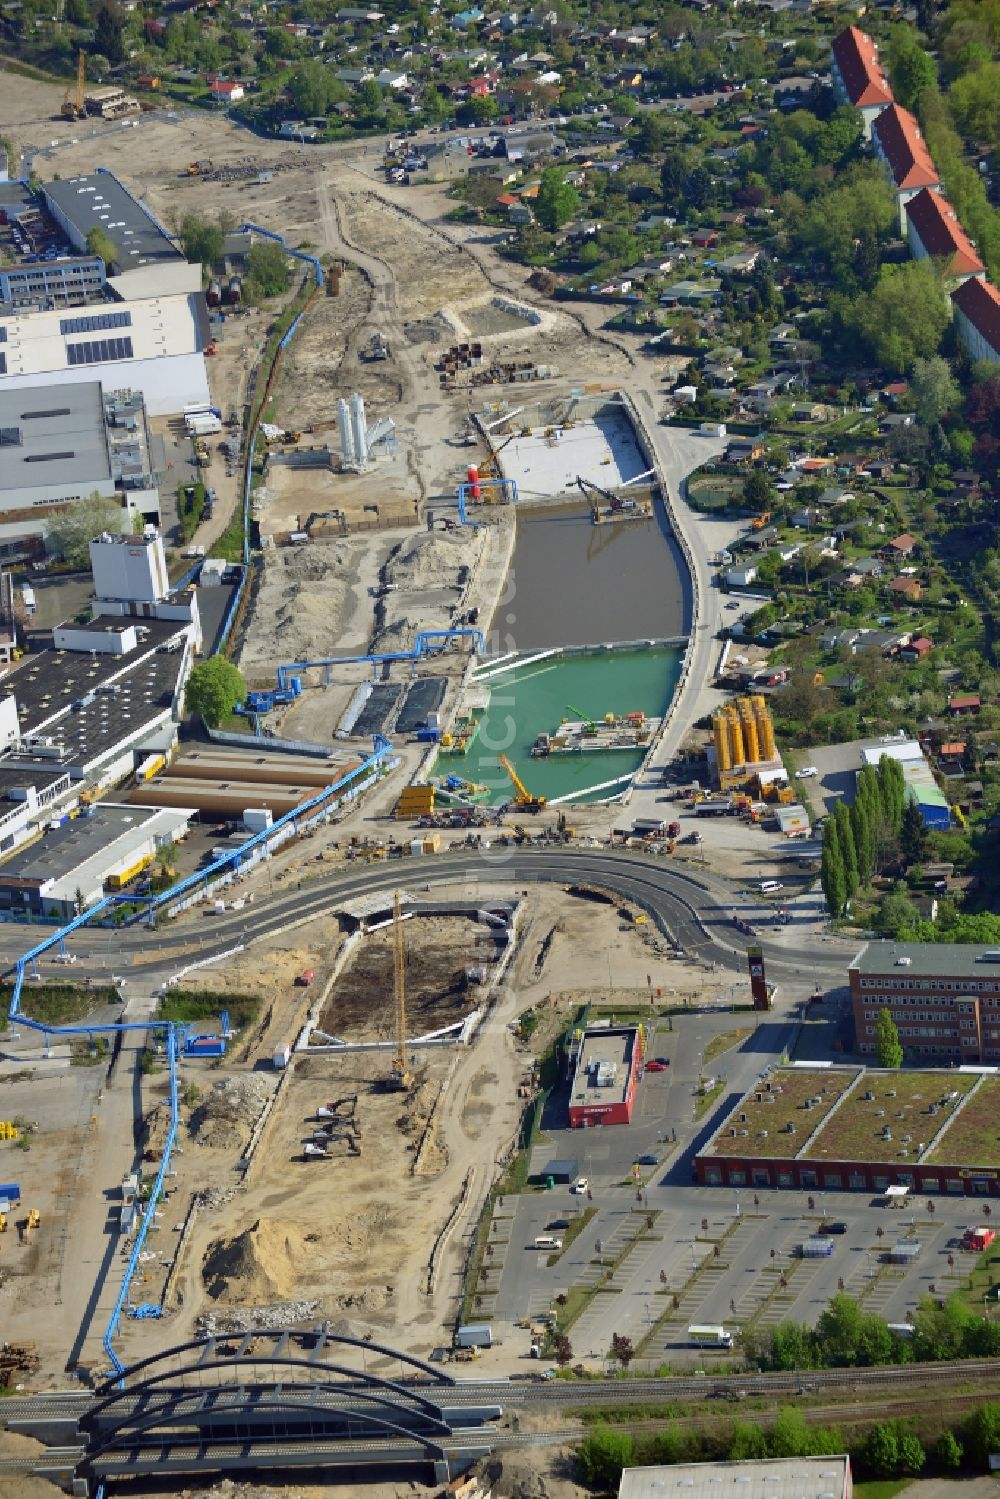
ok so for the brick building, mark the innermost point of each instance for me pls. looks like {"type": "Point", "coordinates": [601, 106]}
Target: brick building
{"type": "Point", "coordinates": [944, 998]}
{"type": "Point", "coordinates": [605, 1075]}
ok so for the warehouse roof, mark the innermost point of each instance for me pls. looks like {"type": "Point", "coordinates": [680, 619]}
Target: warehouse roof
{"type": "Point", "coordinates": [765, 1478]}
{"type": "Point", "coordinates": [100, 201]}
{"type": "Point", "coordinates": [101, 834]}
{"type": "Point", "coordinates": [101, 333]}
{"type": "Point", "coordinates": [53, 434]}
{"type": "Point", "coordinates": [928, 959]}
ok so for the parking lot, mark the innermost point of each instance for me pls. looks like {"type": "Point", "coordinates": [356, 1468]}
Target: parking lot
{"type": "Point", "coordinates": [650, 1255]}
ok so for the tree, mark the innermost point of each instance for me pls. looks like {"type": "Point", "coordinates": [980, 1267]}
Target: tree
{"type": "Point", "coordinates": [673, 175]}
{"type": "Point", "coordinates": [896, 913]}
{"type": "Point", "coordinates": [832, 876]}
{"type": "Point", "coordinates": [790, 1435]}
{"type": "Point", "coordinates": [757, 492]}
{"type": "Point", "coordinates": [934, 389]}
{"type": "Point", "coordinates": [562, 1349]}
{"type": "Point", "coordinates": [267, 270]}
{"type": "Point", "coordinates": [100, 243]}
{"type": "Point", "coordinates": [213, 689]}
{"type": "Point", "coordinates": [862, 818]}
{"type": "Point", "coordinates": [911, 1453]}
{"type": "Point", "coordinates": [892, 791]}
{"type": "Point", "coordinates": [201, 240]}
{"type": "Point", "coordinates": [557, 200]}
{"type": "Point", "coordinates": [479, 110]}
{"type": "Point", "coordinates": [603, 1455]}
{"type": "Point", "coordinates": [746, 1442]}
{"type": "Point", "coordinates": [838, 1331]}
{"type": "Point", "coordinates": [109, 26]}
{"type": "Point", "coordinates": [699, 188]}
{"type": "Point", "coordinates": [911, 70]}
{"type": "Point", "coordinates": [881, 1449]}
{"type": "Point", "coordinates": [888, 1047]}
{"type": "Point", "coordinates": [309, 89]}
{"type": "Point", "coordinates": [621, 1349]}
{"type": "Point", "coordinates": [913, 834]}
{"type": "Point", "coordinates": [845, 836]}
{"type": "Point", "coordinates": [369, 99]}
{"type": "Point", "coordinates": [904, 317]}
{"type": "Point", "coordinates": [68, 535]}
{"type": "Point", "coordinates": [948, 1451]}
{"type": "Point", "coordinates": [981, 1434]}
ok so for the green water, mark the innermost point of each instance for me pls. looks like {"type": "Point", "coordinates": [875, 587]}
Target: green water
{"type": "Point", "coordinates": [531, 700]}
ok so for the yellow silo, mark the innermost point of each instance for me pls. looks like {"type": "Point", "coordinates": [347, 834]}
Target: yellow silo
{"type": "Point", "coordinates": [749, 732]}
{"type": "Point", "coordinates": [736, 748]}
{"type": "Point", "coordinates": [723, 758]}
{"type": "Point", "coordinates": [765, 729]}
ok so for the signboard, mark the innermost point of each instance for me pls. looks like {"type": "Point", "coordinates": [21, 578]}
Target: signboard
{"type": "Point", "coordinates": [758, 981]}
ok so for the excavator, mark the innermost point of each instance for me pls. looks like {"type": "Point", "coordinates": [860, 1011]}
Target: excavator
{"type": "Point", "coordinates": [73, 107]}
{"type": "Point", "coordinates": [614, 502]}
{"type": "Point", "coordinates": [589, 726]}
{"type": "Point", "coordinates": [522, 796]}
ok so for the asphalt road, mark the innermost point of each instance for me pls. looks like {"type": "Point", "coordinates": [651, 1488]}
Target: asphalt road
{"type": "Point", "coordinates": [694, 910]}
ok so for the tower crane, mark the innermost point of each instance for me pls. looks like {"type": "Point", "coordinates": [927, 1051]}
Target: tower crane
{"type": "Point", "coordinates": [73, 107]}
{"type": "Point", "coordinates": [400, 1079]}
{"type": "Point", "coordinates": [523, 797]}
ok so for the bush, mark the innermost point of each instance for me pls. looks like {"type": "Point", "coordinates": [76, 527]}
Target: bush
{"type": "Point", "coordinates": [603, 1455]}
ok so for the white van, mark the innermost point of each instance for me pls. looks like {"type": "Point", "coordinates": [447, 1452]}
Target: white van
{"type": "Point", "coordinates": [548, 1241]}
{"type": "Point", "coordinates": [768, 887]}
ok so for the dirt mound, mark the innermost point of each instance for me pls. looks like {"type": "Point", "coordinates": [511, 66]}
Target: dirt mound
{"type": "Point", "coordinates": [258, 1265]}
{"type": "Point", "coordinates": [225, 1118]}
{"type": "Point", "coordinates": [431, 559]}
{"type": "Point", "coordinates": [304, 595]}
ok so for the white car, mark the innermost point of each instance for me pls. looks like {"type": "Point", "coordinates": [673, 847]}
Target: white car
{"type": "Point", "coordinates": [807, 771]}
{"type": "Point", "coordinates": [580, 1186]}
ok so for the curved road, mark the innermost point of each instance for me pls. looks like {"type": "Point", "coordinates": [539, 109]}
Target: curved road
{"type": "Point", "coordinates": [694, 910]}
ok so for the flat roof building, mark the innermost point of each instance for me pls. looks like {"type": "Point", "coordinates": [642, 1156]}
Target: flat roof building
{"type": "Point", "coordinates": [943, 997]}
{"type": "Point", "coordinates": [155, 345]}
{"type": "Point", "coordinates": [100, 201]}
{"type": "Point", "coordinates": [40, 285]}
{"type": "Point", "coordinates": [605, 1076]}
{"type": "Point", "coordinates": [861, 1129]}
{"type": "Point", "coordinates": [104, 845]}
{"type": "Point", "coordinates": [763, 1478]}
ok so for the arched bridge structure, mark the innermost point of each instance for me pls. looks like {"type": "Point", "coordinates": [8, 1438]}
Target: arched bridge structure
{"type": "Point", "coordinates": [279, 1399]}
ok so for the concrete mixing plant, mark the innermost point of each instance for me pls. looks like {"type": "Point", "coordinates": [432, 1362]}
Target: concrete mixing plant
{"type": "Point", "coordinates": [348, 453]}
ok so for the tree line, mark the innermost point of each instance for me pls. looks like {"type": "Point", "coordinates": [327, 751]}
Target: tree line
{"type": "Point", "coordinates": [846, 1337]}
{"type": "Point", "coordinates": [858, 839]}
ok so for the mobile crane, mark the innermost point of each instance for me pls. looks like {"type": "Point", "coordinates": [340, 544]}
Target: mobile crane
{"type": "Point", "coordinates": [589, 726]}
{"type": "Point", "coordinates": [523, 797]}
{"type": "Point", "coordinates": [73, 107]}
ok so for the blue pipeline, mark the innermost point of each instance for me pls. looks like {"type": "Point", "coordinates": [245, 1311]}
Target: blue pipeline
{"type": "Point", "coordinates": [249, 228]}
{"type": "Point", "coordinates": [508, 488]}
{"type": "Point", "coordinates": [421, 648]}
{"type": "Point", "coordinates": [174, 1033]}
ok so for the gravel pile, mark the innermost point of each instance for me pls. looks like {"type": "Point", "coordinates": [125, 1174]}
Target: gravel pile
{"type": "Point", "coordinates": [210, 1199]}
{"type": "Point", "coordinates": [229, 1113]}
{"type": "Point", "coordinates": [246, 1319]}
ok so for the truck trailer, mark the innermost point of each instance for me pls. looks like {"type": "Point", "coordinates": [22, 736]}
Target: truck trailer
{"type": "Point", "coordinates": [710, 1337]}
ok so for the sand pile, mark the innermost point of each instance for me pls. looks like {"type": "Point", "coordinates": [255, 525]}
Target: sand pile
{"type": "Point", "coordinates": [261, 1264]}
{"type": "Point", "coordinates": [305, 594]}
{"type": "Point", "coordinates": [430, 559]}
{"type": "Point", "coordinates": [225, 1118]}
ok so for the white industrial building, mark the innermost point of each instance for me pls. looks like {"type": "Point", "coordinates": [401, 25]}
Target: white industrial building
{"type": "Point", "coordinates": [763, 1478]}
{"type": "Point", "coordinates": [154, 345]}
{"type": "Point", "coordinates": [62, 443]}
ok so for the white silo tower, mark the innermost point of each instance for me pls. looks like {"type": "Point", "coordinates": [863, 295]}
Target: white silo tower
{"type": "Point", "coordinates": [359, 427]}
{"type": "Point", "coordinates": [348, 454]}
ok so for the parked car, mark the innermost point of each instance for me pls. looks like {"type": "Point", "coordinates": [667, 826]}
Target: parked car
{"type": "Point", "coordinates": [656, 1065]}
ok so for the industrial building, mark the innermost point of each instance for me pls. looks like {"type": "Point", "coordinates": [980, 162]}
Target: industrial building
{"type": "Point", "coordinates": [104, 847]}
{"type": "Point", "coordinates": [861, 1129]}
{"type": "Point", "coordinates": [605, 1075]}
{"type": "Point", "coordinates": [153, 344]}
{"type": "Point", "coordinates": [921, 786]}
{"type": "Point", "coordinates": [62, 443]}
{"type": "Point", "coordinates": [944, 998]}
{"type": "Point", "coordinates": [100, 201]}
{"type": "Point", "coordinates": [222, 783]}
{"type": "Point", "coordinates": [37, 286]}
{"type": "Point", "coordinates": [754, 1478]}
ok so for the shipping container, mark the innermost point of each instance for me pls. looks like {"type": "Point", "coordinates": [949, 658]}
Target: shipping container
{"type": "Point", "coordinates": [474, 1335]}
{"type": "Point", "coordinates": [121, 879]}
{"type": "Point", "coordinates": [10, 1192]}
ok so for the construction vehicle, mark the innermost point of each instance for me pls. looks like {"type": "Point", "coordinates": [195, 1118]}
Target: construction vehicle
{"type": "Point", "coordinates": [760, 521]}
{"type": "Point", "coordinates": [375, 350]}
{"type": "Point", "coordinates": [73, 106]}
{"type": "Point", "coordinates": [589, 726]}
{"type": "Point", "coordinates": [614, 502]}
{"type": "Point", "coordinates": [522, 796]}
{"type": "Point", "coordinates": [198, 168]}
{"type": "Point", "coordinates": [313, 1152]}
{"type": "Point", "coordinates": [3, 1223]}
{"type": "Point", "coordinates": [399, 1079]}
{"type": "Point", "coordinates": [34, 1219]}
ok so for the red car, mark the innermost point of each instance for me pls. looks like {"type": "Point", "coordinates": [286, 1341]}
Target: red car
{"type": "Point", "coordinates": [657, 1065]}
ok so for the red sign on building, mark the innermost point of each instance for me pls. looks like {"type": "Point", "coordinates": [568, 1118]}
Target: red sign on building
{"type": "Point", "coordinates": [759, 991]}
